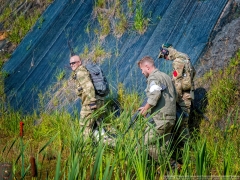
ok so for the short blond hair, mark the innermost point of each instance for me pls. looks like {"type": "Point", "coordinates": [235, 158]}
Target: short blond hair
{"type": "Point", "coordinates": [146, 59]}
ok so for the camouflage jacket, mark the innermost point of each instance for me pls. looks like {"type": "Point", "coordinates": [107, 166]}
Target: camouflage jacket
{"type": "Point", "coordinates": [162, 101]}
{"type": "Point", "coordinates": [84, 86]}
{"type": "Point", "coordinates": [179, 59]}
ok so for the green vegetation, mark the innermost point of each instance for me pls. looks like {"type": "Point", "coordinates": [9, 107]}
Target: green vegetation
{"type": "Point", "coordinates": [18, 21]}
{"type": "Point", "coordinates": [40, 22]}
{"type": "Point", "coordinates": [56, 140]}
{"type": "Point", "coordinates": [140, 22]}
{"type": "Point", "coordinates": [130, 6]}
{"type": "Point", "coordinates": [60, 74]}
{"type": "Point", "coordinates": [53, 137]}
{"type": "Point", "coordinates": [121, 25]}
{"type": "Point", "coordinates": [113, 16]}
{"type": "Point", "coordinates": [105, 24]}
{"type": "Point", "coordinates": [17, 18]}
{"type": "Point", "coordinates": [224, 89]}
{"type": "Point", "coordinates": [6, 13]}
{"type": "Point", "coordinates": [97, 54]}
{"type": "Point", "coordinates": [222, 140]}
{"type": "Point", "coordinates": [21, 26]}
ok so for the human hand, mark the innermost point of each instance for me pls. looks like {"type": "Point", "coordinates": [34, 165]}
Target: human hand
{"type": "Point", "coordinates": [142, 111]}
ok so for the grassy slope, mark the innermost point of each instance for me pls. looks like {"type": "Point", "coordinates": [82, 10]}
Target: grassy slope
{"type": "Point", "coordinates": [213, 150]}
{"type": "Point", "coordinates": [16, 20]}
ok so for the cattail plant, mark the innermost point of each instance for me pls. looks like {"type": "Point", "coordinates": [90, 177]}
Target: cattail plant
{"type": "Point", "coordinates": [33, 166]}
{"type": "Point", "coordinates": [22, 147]}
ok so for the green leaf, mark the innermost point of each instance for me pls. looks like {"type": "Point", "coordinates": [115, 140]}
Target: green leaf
{"type": "Point", "coordinates": [51, 140]}
{"type": "Point", "coordinates": [58, 170]}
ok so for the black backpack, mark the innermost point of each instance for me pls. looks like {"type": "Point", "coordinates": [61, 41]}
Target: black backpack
{"type": "Point", "coordinates": [99, 80]}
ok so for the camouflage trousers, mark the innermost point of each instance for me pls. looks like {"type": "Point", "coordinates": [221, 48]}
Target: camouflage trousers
{"type": "Point", "coordinates": [159, 134]}
{"type": "Point", "coordinates": [185, 104]}
{"type": "Point", "coordinates": [89, 116]}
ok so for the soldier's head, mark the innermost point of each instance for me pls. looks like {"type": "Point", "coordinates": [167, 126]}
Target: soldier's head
{"type": "Point", "coordinates": [164, 52]}
{"type": "Point", "coordinates": [146, 64]}
{"type": "Point", "coordinates": [75, 62]}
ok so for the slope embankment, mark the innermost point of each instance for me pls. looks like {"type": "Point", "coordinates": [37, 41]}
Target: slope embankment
{"type": "Point", "coordinates": [44, 53]}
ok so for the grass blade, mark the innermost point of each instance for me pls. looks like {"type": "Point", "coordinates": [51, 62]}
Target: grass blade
{"type": "Point", "coordinates": [48, 143]}
{"type": "Point", "coordinates": [97, 161]}
{"type": "Point", "coordinates": [58, 170]}
{"type": "Point", "coordinates": [11, 145]}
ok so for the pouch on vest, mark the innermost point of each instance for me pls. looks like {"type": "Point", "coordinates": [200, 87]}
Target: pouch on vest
{"type": "Point", "coordinates": [178, 86]}
{"type": "Point", "coordinates": [187, 76]}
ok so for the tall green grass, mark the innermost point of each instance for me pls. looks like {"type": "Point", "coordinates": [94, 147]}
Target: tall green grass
{"type": "Point", "coordinates": [62, 152]}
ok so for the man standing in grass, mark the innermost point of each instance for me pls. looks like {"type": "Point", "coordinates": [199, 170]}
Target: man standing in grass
{"type": "Point", "coordinates": [85, 90]}
{"type": "Point", "coordinates": [183, 74]}
{"type": "Point", "coordinates": [161, 103]}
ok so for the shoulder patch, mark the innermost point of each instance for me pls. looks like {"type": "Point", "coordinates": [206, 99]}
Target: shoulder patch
{"type": "Point", "coordinates": [152, 83]}
{"type": "Point", "coordinates": [154, 87]}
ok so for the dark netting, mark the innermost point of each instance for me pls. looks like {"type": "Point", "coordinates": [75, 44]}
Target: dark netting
{"type": "Point", "coordinates": [44, 52]}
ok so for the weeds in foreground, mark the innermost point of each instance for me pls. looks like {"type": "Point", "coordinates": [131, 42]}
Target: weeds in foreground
{"type": "Point", "coordinates": [61, 152]}
{"type": "Point", "coordinates": [224, 90]}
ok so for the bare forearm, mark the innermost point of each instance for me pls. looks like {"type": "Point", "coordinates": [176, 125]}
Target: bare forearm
{"type": "Point", "coordinates": [144, 109]}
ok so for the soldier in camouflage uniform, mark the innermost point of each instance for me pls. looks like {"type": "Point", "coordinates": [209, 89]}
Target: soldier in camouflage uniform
{"type": "Point", "coordinates": [183, 74]}
{"type": "Point", "coordinates": [161, 103]}
{"type": "Point", "coordinates": [85, 90]}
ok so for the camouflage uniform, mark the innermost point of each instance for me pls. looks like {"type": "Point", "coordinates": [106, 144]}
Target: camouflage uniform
{"type": "Point", "coordinates": [164, 109]}
{"type": "Point", "coordinates": [90, 101]}
{"type": "Point", "coordinates": [184, 97]}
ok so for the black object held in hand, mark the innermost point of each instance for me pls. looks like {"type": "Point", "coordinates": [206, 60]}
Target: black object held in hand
{"type": "Point", "coordinates": [71, 49]}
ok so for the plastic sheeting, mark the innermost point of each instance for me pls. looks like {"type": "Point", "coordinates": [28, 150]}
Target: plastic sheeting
{"type": "Point", "coordinates": [43, 53]}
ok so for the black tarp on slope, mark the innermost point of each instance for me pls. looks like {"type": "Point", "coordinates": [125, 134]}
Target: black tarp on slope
{"type": "Point", "coordinates": [44, 51]}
